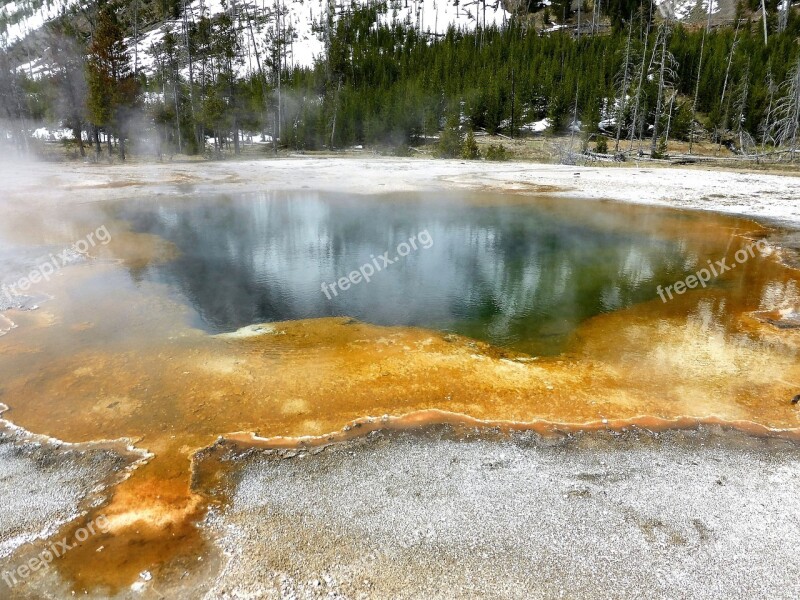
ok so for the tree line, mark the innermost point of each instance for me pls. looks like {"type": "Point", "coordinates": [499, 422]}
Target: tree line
{"type": "Point", "coordinates": [634, 85]}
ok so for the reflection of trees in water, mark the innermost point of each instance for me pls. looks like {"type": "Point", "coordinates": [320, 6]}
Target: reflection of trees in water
{"type": "Point", "coordinates": [500, 273]}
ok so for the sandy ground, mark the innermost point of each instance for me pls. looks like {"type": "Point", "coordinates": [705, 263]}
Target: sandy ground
{"type": "Point", "coordinates": [446, 514]}
{"type": "Point", "coordinates": [765, 196]}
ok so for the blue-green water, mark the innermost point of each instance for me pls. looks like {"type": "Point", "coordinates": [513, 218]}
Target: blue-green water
{"type": "Point", "coordinates": [516, 274]}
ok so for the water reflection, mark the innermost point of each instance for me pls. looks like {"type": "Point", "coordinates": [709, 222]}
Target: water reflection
{"type": "Point", "coordinates": [521, 275]}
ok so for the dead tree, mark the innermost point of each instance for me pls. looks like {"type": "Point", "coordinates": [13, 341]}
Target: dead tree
{"type": "Point", "coordinates": [787, 111]}
{"type": "Point", "coordinates": [740, 111]}
{"type": "Point", "coordinates": [643, 68]}
{"type": "Point", "coordinates": [783, 15]}
{"type": "Point", "coordinates": [697, 87]}
{"type": "Point", "coordinates": [624, 82]}
{"type": "Point", "coordinates": [725, 83]}
{"type": "Point", "coordinates": [666, 75]}
{"type": "Point", "coordinates": [766, 127]}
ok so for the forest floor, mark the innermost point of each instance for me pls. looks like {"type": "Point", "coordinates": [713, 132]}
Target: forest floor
{"type": "Point", "coordinates": [540, 148]}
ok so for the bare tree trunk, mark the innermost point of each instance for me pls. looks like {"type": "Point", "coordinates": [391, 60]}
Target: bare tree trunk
{"type": "Point", "coordinates": [625, 83]}
{"type": "Point", "coordinates": [78, 135]}
{"type": "Point", "coordinates": [787, 125]}
{"type": "Point", "coordinates": [641, 76]}
{"type": "Point", "coordinates": [190, 56]}
{"type": "Point", "coordinates": [767, 124]}
{"type": "Point", "coordinates": [669, 121]}
{"type": "Point", "coordinates": [236, 148]}
{"type": "Point", "coordinates": [783, 15]}
{"type": "Point", "coordinates": [574, 117]}
{"type": "Point", "coordinates": [177, 113]}
{"type": "Point", "coordinates": [513, 100]}
{"type": "Point", "coordinates": [136, 38]}
{"type": "Point", "coordinates": [279, 25]}
{"type": "Point", "coordinates": [262, 76]}
{"type": "Point", "coordinates": [660, 98]}
{"type": "Point", "coordinates": [335, 111]}
{"type": "Point", "coordinates": [97, 149]}
{"type": "Point", "coordinates": [697, 87]}
{"type": "Point", "coordinates": [740, 106]}
{"type": "Point", "coordinates": [725, 84]}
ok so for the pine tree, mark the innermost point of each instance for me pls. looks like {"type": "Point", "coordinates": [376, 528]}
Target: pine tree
{"type": "Point", "coordinates": [469, 149]}
{"type": "Point", "coordinates": [451, 139]}
{"type": "Point", "coordinates": [111, 85]}
{"type": "Point", "coordinates": [66, 53]}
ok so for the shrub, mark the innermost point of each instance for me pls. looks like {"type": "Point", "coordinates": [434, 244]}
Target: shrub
{"type": "Point", "coordinates": [601, 145]}
{"type": "Point", "coordinates": [661, 148]}
{"type": "Point", "coordinates": [451, 139]}
{"type": "Point", "coordinates": [496, 153]}
{"type": "Point", "coordinates": [469, 149]}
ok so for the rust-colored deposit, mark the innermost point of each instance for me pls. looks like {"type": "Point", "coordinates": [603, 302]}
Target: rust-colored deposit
{"type": "Point", "coordinates": [89, 365]}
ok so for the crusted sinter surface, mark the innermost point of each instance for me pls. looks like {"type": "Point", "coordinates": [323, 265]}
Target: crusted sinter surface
{"type": "Point", "coordinates": [442, 514]}
{"type": "Point", "coordinates": [42, 484]}
{"type": "Point", "coordinates": [45, 484]}
{"type": "Point", "coordinates": [110, 354]}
